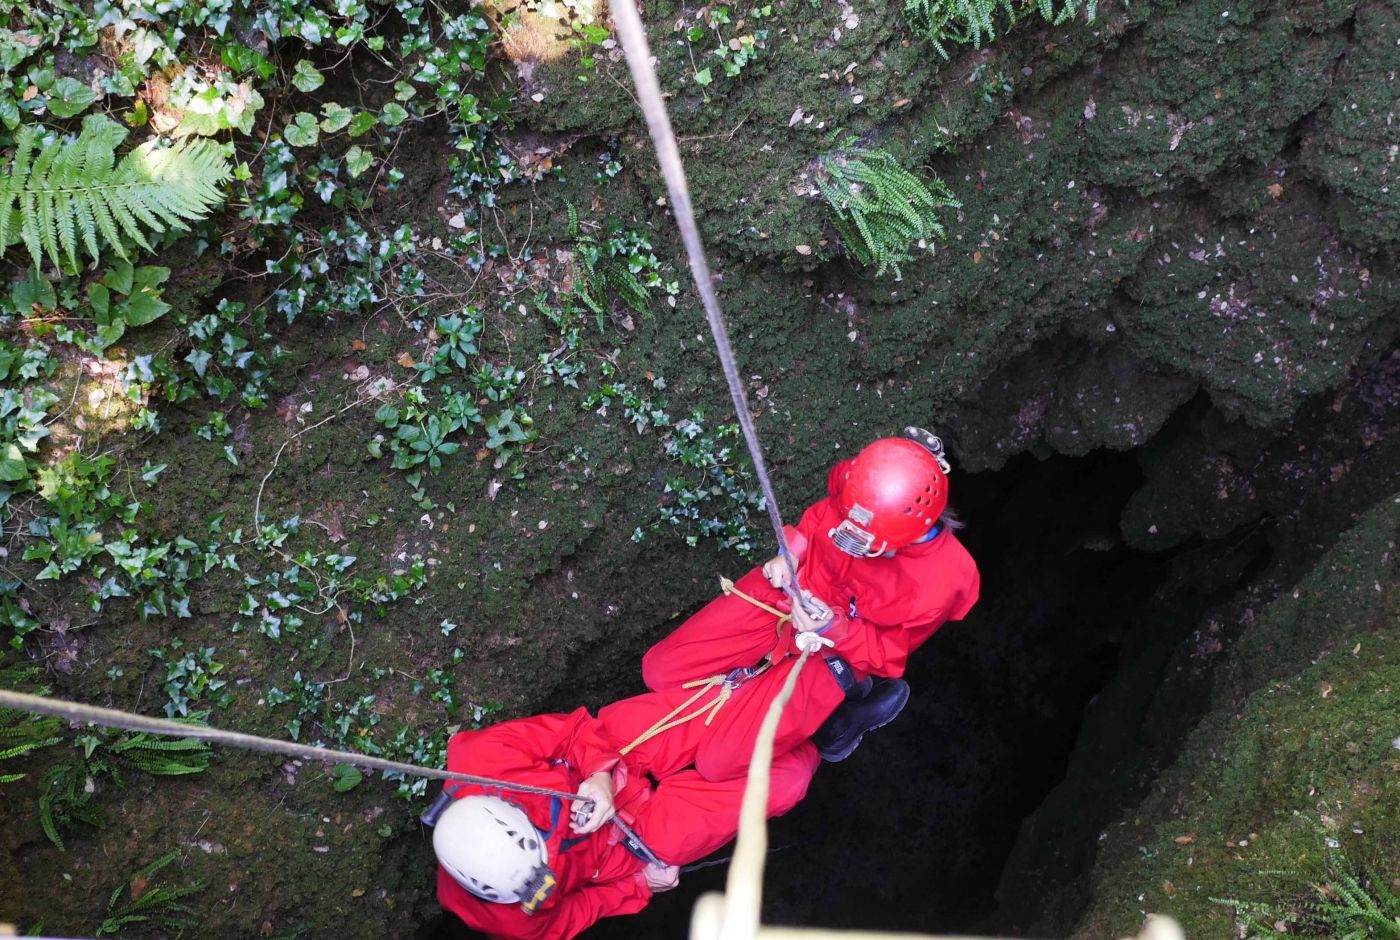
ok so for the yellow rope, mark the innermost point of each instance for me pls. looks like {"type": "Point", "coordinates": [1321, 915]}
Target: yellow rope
{"type": "Point", "coordinates": [727, 586]}
{"type": "Point", "coordinates": [666, 724]}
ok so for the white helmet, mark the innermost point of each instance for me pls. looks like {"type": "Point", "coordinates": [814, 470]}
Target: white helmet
{"type": "Point", "coordinates": [491, 849]}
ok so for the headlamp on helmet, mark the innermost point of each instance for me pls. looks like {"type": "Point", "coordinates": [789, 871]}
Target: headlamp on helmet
{"type": "Point", "coordinates": [490, 848]}
{"type": "Point", "coordinates": [892, 494]}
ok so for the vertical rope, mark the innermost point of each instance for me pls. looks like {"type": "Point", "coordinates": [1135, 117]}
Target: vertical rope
{"type": "Point", "coordinates": [744, 886]}
{"type": "Point", "coordinates": [634, 44]}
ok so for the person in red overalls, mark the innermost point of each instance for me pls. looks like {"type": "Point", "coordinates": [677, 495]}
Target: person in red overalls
{"type": "Point", "coordinates": [523, 866]}
{"type": "Point", "coordinates": [880, 555]}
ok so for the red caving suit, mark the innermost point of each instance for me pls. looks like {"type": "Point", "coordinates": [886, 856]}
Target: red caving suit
{"type": "Point", "coordinates": [884, 608]}
{"type": "Point", "coordinates": [682, 818]}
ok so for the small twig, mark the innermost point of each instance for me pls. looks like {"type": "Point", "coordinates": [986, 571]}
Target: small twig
{"type": "Point", "coordinates": [350, 666]}
{"type": "Point", "coordinates": [257, 503]}
{"type": "Point", "coordinates": [729, 136]}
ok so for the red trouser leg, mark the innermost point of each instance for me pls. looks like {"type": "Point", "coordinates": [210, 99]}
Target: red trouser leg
{"type": "Point", "coordinates": [671, 750]}
{"type": "Point", "coordinates": [725, 751]}
{"type": "Point", "coordinates": [726, 633]}
{"type": "Point", "coordinates": [689, 817]}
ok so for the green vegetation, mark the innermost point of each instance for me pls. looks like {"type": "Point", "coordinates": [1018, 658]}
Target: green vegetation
{"type": "Point", "coordinates": [21, 732]}
{"type": "Point", "coordinates": [147, 904]}
{"type": "Point", "coordinates": [61, 192]}
{"type": "Point", "coordinates": [1335, 902]}
{"type": "Point", "coordinates": [973, 22]}
{"type": "Point", "coordinates": [68, 790]}
{"type": "Point", "coordinates": [723, 44]}
{"type": "Point", "coordinates": [880, 208]}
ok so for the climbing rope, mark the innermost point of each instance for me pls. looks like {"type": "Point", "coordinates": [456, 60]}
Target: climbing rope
{"type": "Point", "coordinates": [634, 44]}
{"type": "Point", "coordinates": [744, 885]}
{"type": "Point", "coordinates": [112, 718]}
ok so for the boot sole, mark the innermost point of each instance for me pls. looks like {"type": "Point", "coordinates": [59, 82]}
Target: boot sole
{"type": "Point", "coordinates": [846, 752]}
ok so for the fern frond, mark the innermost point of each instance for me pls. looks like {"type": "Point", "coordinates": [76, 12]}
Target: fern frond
{"type": "Point", "coordinates": [74, 196]}
{"type": "Point", "coordinates": [162, 756]}
{"type": "Point", "coordinates": [157, 905]}
{"type": "Point", "coordinates": [972, 22]}
{"type": "Point", "coordinates": [880, 209]}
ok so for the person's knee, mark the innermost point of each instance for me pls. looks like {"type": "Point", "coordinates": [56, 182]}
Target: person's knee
{"type": "Point", "coordinates": [657, 671]}
{"type": "Point", "coordinates": [718, 763]}
{"type": "Point", "coordinates": [790, 777]}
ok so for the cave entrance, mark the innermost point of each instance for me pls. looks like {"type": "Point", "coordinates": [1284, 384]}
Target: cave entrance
{"type": "Point", "coordinates": [914, 831]}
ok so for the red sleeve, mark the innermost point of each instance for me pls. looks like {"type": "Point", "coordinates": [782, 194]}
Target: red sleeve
{"type": "Point", "coordinates": [574, 913]}
{"type": "Point", "coordinates": [524, 750]}
{"type": "Point", "coordinates": [882, 647]}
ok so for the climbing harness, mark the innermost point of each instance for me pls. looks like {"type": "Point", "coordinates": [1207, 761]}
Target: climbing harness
{"type": "Point", "coordinates": [726, 684]}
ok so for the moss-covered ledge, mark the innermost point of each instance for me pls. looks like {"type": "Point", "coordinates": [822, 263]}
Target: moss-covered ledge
{"type": "Point", "coordinates": [1304, 721]}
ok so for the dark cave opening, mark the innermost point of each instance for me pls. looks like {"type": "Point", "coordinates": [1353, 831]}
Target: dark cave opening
{"type": "Point", "coordinates": [913, 831]}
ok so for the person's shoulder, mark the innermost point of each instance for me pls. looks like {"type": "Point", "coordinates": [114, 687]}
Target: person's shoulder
{"type": "Point", "coordinates": [945, 551]}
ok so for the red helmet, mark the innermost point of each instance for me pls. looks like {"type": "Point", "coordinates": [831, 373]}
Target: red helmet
{"type": "Point", "coordinates": [892, 494]}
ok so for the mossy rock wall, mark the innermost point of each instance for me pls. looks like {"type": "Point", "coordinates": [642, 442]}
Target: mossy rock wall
{"type": "Point", "coordinates": [1168, 211]}
{"type": "Point", "coordinates": [1301, 721]}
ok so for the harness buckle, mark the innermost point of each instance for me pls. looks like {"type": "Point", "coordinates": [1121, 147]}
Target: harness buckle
{"type": "Point", "coordinates": [738, 676]}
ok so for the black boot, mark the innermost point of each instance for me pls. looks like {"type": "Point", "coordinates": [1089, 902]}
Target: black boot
{"type": "Point", "coordinates": [839, 734]}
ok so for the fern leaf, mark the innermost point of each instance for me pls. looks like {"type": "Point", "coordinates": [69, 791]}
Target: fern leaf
{"type": "Point", "coordinates": [10, 218]}
{"type": "Point", "coordinates": [46, 821]}
{"type": "Point", "coordinates": [69, 199]}
{"type": "Point", "coordinates": [880, 208]}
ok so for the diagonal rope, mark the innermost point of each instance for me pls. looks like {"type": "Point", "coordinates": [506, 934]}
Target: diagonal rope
{"type": "Point", "coordinates": [112, 718]}
{"type": "Point", "coordinates": [634, 43]}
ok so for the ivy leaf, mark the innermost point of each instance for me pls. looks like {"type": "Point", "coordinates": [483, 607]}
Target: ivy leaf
{"type": "Point", "coordinates": [303, 130]}
{"type": "Point", "coordinates": [403, 91]}
{"type": "Point", "coordinates": [9, 112]}
{"type": "Point", "coordinates": [703, 78]}
{"type": "Point", "coordinates": [144, 307]}
{"type": "Point", "coordinates": [306, 77]}
{"type": "Point", "coordinates": [361, 122]}
{"type": "Point", "coordinates": [336, 117]}
{"type": "Point", "coordinates": [357, 160]}
{"type": "Point", "coordinates": [101, 299]}
{"type": "Point", "coordinates": [119, 277]}
{"type": "Point", "coordinates": [199, 360]}
{"type": "Point", "coordinates": [69, 97]}
{"type": "Point", "coordinates": [346, 778]}
{"type": "Point", "coordinates": [12, 466]}
{"type": "Point", "coordinates": [393, 114]}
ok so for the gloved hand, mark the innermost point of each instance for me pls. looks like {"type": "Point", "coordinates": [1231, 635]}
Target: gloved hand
{"type": "Point", "coordinates": [661, 877]}
{"type": "Point", "coordinates": [599, 789]}
{"type": "Point", "coordinates": [804, 622]}
{"type": "Point", "coordinates": [775, 570]}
